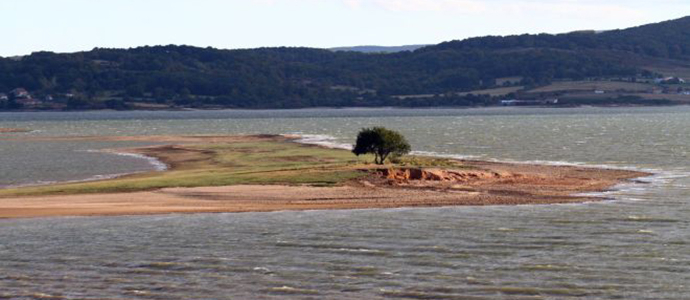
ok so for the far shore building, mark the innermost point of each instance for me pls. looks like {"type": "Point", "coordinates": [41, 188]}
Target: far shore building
{"type": "Point", "coordinates": [670, 80]}
{"type": "Point", "coordinates": [3, 97]}
{"type": "Point", "coordinates": [20, 93]}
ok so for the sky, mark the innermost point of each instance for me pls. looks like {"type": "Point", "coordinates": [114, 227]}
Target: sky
{"type": "Point", "coordinates": [77, 25]}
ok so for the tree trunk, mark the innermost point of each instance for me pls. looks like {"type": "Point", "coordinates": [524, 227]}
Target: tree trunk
{"type": "Point", "coordinates": [383, 158]}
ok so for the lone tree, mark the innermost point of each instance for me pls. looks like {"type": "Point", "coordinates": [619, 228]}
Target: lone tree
{"type": "Point", "coordinates": [381, 142]}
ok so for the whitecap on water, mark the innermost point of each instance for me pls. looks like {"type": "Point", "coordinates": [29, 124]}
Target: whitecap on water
{"type": "Point", "coordinates": [322, 140]}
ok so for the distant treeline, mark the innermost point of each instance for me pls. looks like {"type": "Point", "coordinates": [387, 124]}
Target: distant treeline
{"type": "Point", "coordinates": [305, 77]}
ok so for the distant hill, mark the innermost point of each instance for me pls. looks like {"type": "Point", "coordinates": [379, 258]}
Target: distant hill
{"type": "Point", "coordinates": [443, 74]}
{"type": "Point", "coordinates": [670, 39]}
{"type": "Point", "coordinates": [379, 49]}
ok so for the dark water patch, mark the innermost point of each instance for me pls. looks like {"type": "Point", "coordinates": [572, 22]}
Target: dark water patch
{"type": "Point", "coordinates": [167, 266]}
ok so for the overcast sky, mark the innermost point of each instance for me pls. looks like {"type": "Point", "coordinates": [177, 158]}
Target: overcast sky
{"type": "Point", "coordinates": [74, 25]}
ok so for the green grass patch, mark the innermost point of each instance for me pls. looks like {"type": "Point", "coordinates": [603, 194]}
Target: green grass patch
{"type": "Point", "coordinates": [224, 164]}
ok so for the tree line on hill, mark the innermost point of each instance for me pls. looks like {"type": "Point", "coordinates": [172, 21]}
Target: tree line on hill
{"type": "Point", "coordinates": [306, 77]}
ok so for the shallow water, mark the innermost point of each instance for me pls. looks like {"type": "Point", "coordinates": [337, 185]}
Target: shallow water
{"type": "Point", "coordinates": [634, 247]}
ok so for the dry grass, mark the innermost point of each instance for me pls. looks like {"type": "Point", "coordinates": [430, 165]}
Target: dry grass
{"type": "Point", "coordinates": [677, 99]}
{"type": "Point", "coordinates": [581, 86]}
{"type": "Point", "coordinates": [672, 97]}
{"type": "Point", "coordinates": [666, 67]}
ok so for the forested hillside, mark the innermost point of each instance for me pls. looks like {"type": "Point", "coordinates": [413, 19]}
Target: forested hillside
{"type": "Point", "coordinates": [304, 77]}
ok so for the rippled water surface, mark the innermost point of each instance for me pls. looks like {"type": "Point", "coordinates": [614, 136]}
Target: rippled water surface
{"type": "Point", "coordinates": [634, 247]}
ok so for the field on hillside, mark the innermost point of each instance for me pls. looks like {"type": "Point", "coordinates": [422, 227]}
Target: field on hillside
{"type": "Point", "coordinates": [672, 97]}
{"type": "Point", "coordinates": [494, 92]}
{"type": "Point", "coordinates": [608, 86]}
{"type": "Point", "coordinates": [623, 99]}
{"type": "Point", "coordinates": [665, 67]}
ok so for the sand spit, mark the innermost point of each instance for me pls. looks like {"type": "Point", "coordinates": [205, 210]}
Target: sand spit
{"type": "Point", "coordinates": [13, 130]}
{"type": "Point", "coordinates": [472, 183]}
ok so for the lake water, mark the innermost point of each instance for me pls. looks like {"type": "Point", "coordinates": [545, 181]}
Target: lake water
{"type": "Point", "coordinates": [636, 246]}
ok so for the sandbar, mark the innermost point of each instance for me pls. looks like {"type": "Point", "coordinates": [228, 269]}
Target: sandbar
{"type": "Point", "coordinates": [458, 182]}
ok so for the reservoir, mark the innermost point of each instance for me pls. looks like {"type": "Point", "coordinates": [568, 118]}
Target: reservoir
{"type": "Point", "coordinates": [635, 245]}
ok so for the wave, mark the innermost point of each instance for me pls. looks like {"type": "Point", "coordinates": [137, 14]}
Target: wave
{"type": "Point", "coordinates": [332, 142]}
{"type": "Point", "coordinates": [49, 182]}
{"type": "Point", "coordinates": [157, 164]}
{"type": "Point", "coordinates": [321, 140]}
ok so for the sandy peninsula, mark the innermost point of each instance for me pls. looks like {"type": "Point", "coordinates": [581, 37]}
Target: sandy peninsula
{"type": "Point", "coordinates": [13, 130]}
{"type": "Point", "coordinates": [260, 173]}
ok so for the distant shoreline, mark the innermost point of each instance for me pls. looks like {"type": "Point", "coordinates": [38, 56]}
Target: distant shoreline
{"type": "Point", "coordinates": [183, 109]}
{"type": "Point", "coordinates": [214, 174]}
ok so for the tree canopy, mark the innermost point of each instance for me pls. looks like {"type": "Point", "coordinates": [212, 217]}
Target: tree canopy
{"type": "Point", "coordinates": [381, 142]}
